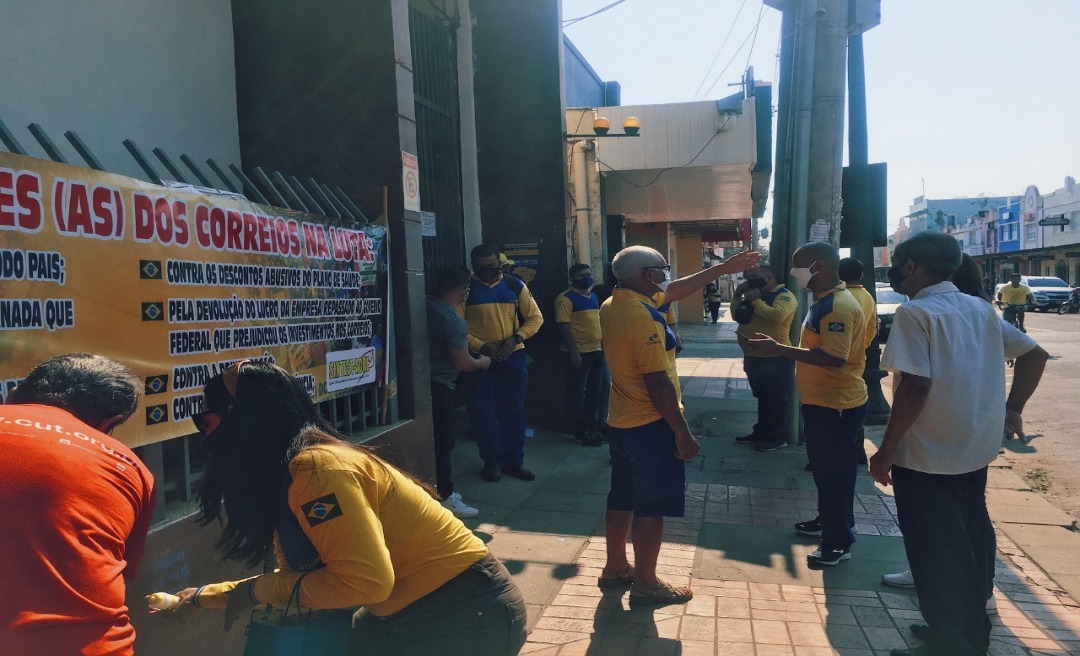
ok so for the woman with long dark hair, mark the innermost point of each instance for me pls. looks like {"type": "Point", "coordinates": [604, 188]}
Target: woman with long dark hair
{"type": "Point", "coordinates": [358, 531]}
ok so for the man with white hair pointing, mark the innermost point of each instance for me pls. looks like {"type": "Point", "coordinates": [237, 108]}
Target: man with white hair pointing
{"type": "Point", "coordinates": [650, 440]}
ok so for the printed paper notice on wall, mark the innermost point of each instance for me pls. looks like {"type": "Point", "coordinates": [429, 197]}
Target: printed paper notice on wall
{"type": "Point", "coordinates": [348, 369]}
{"type": "Point", "coordinates": [427, 224]}
{"type": "Point", "coordinates": [410, 181]}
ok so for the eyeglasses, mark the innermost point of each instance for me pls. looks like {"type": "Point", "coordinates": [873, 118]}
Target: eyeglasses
{"type": "Point", "coordinates": [662, 267]}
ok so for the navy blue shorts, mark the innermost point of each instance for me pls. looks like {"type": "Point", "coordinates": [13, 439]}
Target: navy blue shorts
{"type": "Point", "coordinates": [646, 477]}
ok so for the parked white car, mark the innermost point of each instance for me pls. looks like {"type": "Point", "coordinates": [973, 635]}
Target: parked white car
{"type": "Point", "coordinates": [888, 300]}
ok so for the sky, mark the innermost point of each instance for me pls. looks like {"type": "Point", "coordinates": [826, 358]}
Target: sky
{"type": "Point", "coordinates": [964, 97]}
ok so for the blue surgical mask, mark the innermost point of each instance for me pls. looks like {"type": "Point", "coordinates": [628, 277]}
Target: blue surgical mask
{"type": "Point", "coordinates": [583, 283]}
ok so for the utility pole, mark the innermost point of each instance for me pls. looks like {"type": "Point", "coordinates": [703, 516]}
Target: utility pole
{"type": "Point", "coordinates": [810, 137]}
{"type": "Point", "coordinates": [859, 207]}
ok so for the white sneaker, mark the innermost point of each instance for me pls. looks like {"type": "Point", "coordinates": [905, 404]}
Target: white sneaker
{"type": "Point", "coordinates": [899, 580]}
{"type": "Point", "coordinates": [991, 606]}
{"type": "Point", "coordinates": [454, 504]}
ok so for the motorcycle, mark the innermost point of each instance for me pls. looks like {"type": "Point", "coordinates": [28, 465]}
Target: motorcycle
{"type": "Point", "coordinates": [1071, 306]}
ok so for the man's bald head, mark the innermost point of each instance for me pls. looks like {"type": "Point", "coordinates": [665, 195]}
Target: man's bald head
{"type": "Point", "coordinates": [817, 251]}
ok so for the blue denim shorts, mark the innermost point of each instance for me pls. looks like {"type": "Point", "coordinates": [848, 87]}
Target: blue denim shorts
{"type": "Point", "coordinates": [646, 476]}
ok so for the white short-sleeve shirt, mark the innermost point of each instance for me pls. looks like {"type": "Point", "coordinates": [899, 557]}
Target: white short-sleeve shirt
{"type": "Point", "coordinates": [960, 344]}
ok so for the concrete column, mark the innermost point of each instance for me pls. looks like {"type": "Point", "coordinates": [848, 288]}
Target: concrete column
{"type": "Point", "coordinates": [470, 186]}
{"type": "Point", "coordinates": [688, 261]}
{"type": "Point", "coordinates": [827, 120]}
{"type": "Point", "coordinates": [579, 200]}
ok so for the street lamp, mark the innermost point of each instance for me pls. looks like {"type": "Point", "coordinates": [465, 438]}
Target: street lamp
{"type": "Point", "coordinates": [600, 125]}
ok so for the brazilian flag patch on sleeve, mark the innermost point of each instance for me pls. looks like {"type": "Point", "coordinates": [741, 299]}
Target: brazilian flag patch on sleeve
{"type": "Point", "coordinates": [322, 509]}
{"type": "Point", "coordinates": [836, 326]}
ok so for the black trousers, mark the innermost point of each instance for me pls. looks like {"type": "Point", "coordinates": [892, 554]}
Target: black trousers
{"type": "Point", "coordinates": [443, 405]}
{"type": "Point", "coordinates": [479, 612]}
{"type": "Point", "coordinates": [831, 437]}
{"type": "Point", "coordinates": [770, 381]}
{"type": "Point", "coordinates": [583, 391]}
{"type": "Point", "coordinates": [714, 311]}
{"type": "Point", "coordinates": [950, 544]}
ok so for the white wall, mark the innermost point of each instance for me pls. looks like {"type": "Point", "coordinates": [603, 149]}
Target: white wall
{"type": "Point", "coordinates": [158, 73]}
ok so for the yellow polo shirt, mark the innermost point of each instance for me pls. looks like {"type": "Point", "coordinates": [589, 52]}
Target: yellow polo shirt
{"type": "Point", "coordinates": [637, 341]}
{"type": "Point", "coordinates": [1014, 295]}
{"type": "Point", "coordinates": [869, 308]}
{"type": "Point", "coordinates": [835, 324]}
{"type": "Point", "coordinates": [773, 314]}
{"type": "Point", "coordinates": [582, 312]}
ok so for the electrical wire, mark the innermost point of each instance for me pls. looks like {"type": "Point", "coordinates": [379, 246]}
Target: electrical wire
{"type": "Point", "coordinates": [757, 28]}
{"type": "Point", "coordinates": [753, 34]}
{"type": "Point", "coordinates": [573, 21]}
{"type": "Point", "coordinates": [720, 49]}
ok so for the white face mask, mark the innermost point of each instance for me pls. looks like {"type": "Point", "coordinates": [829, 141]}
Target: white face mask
{"type": "Point", "coordinates": [663, 284]}
{"type": "Point", "coordinates": [802, 276]}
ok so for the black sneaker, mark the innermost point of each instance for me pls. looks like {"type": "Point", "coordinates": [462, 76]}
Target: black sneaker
{"type": "Point", "coordinates": [491, 473]}
{"type": "Point", "coordinates": [828, 557]}
{"type": "Point", "coordinates": [768, 447]}
{"type": "Point", "coordinates": [749, 439]}
{"type": "Point", "coordinates": [810, 529]}
{"type": "Point", "coordinates": [517, 471]}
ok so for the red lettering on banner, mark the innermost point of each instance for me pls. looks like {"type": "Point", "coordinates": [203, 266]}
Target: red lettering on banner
{"type": "Point", "coordinates": [20, 201]}
{"type": "Point", "coordinates": [251, 232]}
{"type": "Point", "coordinates": [108, 210]}
{"type": "Point", "coordinates": [157, 219]}
{"type": "Point", "coordinates": [234, 228]}
{"type": "Point", "coordinates": [315, 242]}
{"type": "Point", "coordinates": [181, 234]}
{"type": "Point", "coordinates": [144, 217]}
{"type": "Point", "coordinates": [96, 211]}
{"type": "Point", "coordinates": [351, 245]}
{"type": "Point", "coordinates": [289, 232]}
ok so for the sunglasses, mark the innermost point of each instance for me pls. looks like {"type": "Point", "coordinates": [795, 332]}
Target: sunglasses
{"type": "Point", "coordinates": [206, 422]}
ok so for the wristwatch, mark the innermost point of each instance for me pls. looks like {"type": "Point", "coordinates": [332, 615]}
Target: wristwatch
{"type": "Point", "coordinates": [518, 338]}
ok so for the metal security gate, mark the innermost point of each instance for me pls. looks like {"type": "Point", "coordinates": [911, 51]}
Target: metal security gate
{"type": "Point", "coordinates": [435, 84]}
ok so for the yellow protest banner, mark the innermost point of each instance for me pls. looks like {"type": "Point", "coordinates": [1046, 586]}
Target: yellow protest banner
{"type": "Point", "coordinates": [178, 283]}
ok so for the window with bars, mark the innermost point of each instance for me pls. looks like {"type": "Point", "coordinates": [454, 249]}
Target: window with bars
{"type": "Point", "coordinates": [435, 85]}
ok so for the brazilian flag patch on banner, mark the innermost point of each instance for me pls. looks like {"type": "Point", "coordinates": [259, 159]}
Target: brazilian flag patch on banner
{"type": "Point", "coordinates": [322, 509]}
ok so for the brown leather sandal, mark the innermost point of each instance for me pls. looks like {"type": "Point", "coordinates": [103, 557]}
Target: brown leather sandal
{"type": "Point", "coordinates": [623, 578]}
{"type": "Point", "coordinates": [662, 595]}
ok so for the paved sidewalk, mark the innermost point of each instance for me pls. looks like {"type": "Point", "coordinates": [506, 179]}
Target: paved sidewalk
{"type": "Point", "coordinates": [754, 593]}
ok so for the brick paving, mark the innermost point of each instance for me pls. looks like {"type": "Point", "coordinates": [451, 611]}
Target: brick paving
{"type": "Point", "coordinates": [1035, 616]}
{"type": "Point", "coordinates": [739, 617]}
{"type": "Point", "coordinates": [744, 617]}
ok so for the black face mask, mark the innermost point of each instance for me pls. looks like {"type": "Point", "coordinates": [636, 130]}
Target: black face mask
{"type": "Point", "coordinates": [896, 278]}
{"type": "Point", "coordinates": [487, 274]}
{"type": "Point", "coordinates": [755, 283]}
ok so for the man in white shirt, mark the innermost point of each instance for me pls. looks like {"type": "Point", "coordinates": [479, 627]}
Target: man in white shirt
{"type": "Point", "coordinates": [946, 427]}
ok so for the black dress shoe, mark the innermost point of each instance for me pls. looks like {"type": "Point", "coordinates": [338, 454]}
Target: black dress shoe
{"type": "Point", "coordinates": [491, 474]}
{"type": "Point", "coordinates": [922, 632]}
{"type": "Point", "coordinates": [517, 471]}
